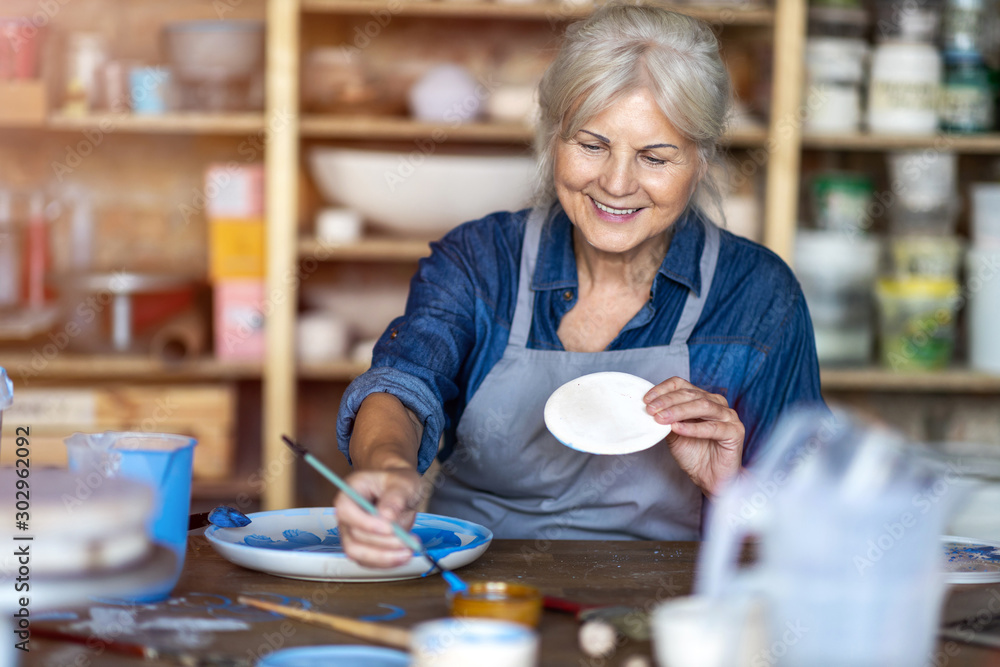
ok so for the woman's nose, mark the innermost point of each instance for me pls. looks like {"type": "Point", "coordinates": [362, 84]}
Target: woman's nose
{"type": "Point", "coordinates": [617, 177]}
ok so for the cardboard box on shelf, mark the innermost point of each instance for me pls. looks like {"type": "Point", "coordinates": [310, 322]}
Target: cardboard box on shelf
{"type": "Point", "coordinates": [206, 412]}
{"type": "Point", "coordinates": [234, 190]}
{"type": "Point", "coordinates": [235, 248]}
{"type": "Point", "coordinates": [238, 307]}
{"type": "Point", "coordinates": [24, 102]}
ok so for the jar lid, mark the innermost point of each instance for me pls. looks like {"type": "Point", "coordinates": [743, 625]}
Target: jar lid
{"type": "Point", "coordinates": [916, 287]}
{"type": "Point", "coordinates": [839, 15]}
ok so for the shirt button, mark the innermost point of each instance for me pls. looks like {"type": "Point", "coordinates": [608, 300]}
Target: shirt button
{"type": "Point", "coordinates": [568, 295]}
{"type": "Point", "coordinates": [393, 334]}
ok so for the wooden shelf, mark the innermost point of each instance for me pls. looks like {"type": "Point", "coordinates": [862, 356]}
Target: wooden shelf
{"type": "Point", "coordinates": [400, 128]}
{"type": "Point", "coordinates": [960, 143]}
{"type": "Point", "coordinates": [365, 250]}
{"type": "Point", "coordinates": [94, 368]}
{"type": "Point", "coordinates": [555, 12]}
{"type": "Point", "coordinates": [173, 123]}
{"type": "Point", "coordinates": [332, 370]}
{"type": "Point", "coordinates": [948, 381]}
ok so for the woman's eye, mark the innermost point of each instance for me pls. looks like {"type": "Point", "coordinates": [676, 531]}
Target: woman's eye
{"type": "Point", "coordinates": [591, 148]}
{"type": "Point", "coordinates": [655, 161]}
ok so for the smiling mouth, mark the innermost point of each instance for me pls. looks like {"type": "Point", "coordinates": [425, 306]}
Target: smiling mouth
{"type": "Point", "coordinates": [613, 211]}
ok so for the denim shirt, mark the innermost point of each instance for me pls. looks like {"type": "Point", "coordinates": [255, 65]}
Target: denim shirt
{"type": "Point", "coordinates": [753, 344]}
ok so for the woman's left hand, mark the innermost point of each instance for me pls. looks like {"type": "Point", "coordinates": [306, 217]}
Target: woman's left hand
{"type": "Point", "coordinates": [706, 436]}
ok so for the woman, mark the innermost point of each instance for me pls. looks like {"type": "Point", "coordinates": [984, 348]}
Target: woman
{"type": "Point", "coordinates": [614, 269]}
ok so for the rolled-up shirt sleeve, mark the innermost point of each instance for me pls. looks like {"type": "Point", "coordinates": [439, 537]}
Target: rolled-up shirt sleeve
{"type": "Point", "coordinates": [421, 353]}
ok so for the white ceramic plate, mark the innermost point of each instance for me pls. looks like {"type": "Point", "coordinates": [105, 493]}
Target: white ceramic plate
{"type": "Point", "coordinates": [603, 413]}
{"type": "Point", "coordinates": [311, 656]}
{"type": "Point", "coordinates": [971, 561]}
{"type": "Point", "coordinates": [303, 543]}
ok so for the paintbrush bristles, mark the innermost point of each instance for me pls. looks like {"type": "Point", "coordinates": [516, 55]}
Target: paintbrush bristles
{"type": "Point", "coordinates": [376, 632]}
{"type": "Point", "coordinates": [295, 447]}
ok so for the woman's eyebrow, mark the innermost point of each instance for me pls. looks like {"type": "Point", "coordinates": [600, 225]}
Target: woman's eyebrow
{"type": "Point", "coordinates": [645, 148]}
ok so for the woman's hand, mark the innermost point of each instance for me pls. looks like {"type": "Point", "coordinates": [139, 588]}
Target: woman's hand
{"type": "Point", "coordinates": [367, 539]}
{"type": "Point", "coordinates": [706, 436]}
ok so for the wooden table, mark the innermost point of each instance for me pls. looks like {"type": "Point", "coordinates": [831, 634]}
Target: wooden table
{"type": "Point", "coordinates": [638, 574]}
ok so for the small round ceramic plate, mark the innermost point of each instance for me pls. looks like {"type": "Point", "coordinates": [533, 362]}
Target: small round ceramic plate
{"type": "Point", "coordinates": [971, 561]}
{"type": "Point", "coordinates": [303, 543]}
{"type": "Point", "coordinates": [311, 656]}
{"type": "Point", "coordinates": [603, 413]}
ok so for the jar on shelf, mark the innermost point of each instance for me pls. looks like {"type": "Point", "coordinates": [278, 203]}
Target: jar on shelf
{"type": "Point", "coordinates": [904, 86]}
{"type": "Point", "coordinates": [917, 322]}
{"type": "Point", "coordinates": [841, 201]}
{"type": "Point", "coordinates": [912, 21]}
{"type": "Point", "coordinates": [834, 72]}
{"type": "Point", "coordinates": [968, 95]}
{"type": "Point", "coordinates": [961, 25]}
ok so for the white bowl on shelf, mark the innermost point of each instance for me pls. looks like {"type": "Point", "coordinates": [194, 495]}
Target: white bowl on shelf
{"type": "Point", "coordinates": [421, 195]}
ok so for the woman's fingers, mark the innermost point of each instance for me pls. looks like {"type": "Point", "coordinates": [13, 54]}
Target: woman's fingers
{"type": "Point", "coordinates": [370, 540]}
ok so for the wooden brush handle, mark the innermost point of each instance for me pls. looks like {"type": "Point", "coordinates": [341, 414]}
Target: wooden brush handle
{"type": "Point", "coordinates": [375, 632]}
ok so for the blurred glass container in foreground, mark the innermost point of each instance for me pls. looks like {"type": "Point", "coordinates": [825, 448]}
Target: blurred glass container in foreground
{"type": "Point", "coordinates": [849, 520]}
{"type": "Point", "coordinates": [837, 273]}
{"type": "Point", "coordinates": [916, 322]}
{"type": "Point", "coordinates": [162, 461]}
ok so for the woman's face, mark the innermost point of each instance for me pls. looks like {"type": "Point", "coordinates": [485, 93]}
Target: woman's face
{"type": "Point", "coordinates": [627, 175]}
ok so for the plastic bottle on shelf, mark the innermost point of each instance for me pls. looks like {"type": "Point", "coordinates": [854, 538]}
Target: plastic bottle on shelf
{"type": "Point", "coordinates": [86, 53]}
{"type": "Point", "coordinates": [904, 86]}
{"type": "Point", "coordinates": [37, 253]}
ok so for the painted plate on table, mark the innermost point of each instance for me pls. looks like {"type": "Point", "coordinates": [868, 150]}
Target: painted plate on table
{"type": "Point", "coordinates": [303, 543]}
{"type": "Point", "coordinates": [310, 656]}
{"type": "Point", "coordinates": [971, 561]}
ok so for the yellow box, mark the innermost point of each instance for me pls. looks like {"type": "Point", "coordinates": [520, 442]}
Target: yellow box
{"type": "Point", "coordinates": [206, 412]}
{"type": "Point", "coordinates": [235, 249]}
{"type": "Point", "coordinates": [23, 102]}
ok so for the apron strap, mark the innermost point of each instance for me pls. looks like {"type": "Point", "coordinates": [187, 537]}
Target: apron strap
{"type": "Point", "coordinates": [696, 304]}
{"type": "Point", "coordinates": [521, 324]}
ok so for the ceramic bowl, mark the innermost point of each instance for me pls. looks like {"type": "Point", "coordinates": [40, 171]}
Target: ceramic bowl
{"type": "Point", "coordinates": [421, 194]}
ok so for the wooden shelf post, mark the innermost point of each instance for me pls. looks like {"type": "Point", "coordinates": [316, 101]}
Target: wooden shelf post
{"type": "Point", "coordinates": [281, 164]}
{"type": "Point", "coordinates": [785, 133]}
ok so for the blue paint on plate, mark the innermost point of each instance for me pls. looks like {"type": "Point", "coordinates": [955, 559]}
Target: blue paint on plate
{"type": "Point", "coordinates": [303, 540]}
{"type": "Point", "coordinates": [312, 656]}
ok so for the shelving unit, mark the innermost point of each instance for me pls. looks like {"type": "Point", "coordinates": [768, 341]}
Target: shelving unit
{"type": "Point", "coordinates": [280, 373]}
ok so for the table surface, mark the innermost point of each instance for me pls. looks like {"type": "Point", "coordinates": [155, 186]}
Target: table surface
{"type": "Point", "coordinates": [203, 605]}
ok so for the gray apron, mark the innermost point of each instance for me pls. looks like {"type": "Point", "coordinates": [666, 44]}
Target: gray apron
{"type": "Point", "coordinates": [508, 473]}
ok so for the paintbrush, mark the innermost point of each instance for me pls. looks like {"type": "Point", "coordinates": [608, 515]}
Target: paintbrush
{"type": "Point", "coordinates": [456, 584]}
{"type": "Point", "coordinates": [376, 632]}
{"type": "Point", "coordinates": [139, 651]}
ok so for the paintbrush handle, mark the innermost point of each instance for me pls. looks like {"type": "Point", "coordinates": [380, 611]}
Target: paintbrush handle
{"type": "Point", "coordinates": [376, 632]}
{"type": "Point", "coordinates": [411, 543]}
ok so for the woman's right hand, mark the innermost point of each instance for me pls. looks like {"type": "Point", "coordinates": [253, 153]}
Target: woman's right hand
{"type": "Point", "coordinates": [367, 539]}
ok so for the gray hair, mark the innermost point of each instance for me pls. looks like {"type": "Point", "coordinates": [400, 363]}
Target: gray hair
{"type": "Point", "coordinates": [621, 48]}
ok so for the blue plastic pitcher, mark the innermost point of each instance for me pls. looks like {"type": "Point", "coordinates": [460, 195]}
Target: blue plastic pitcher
{"type": "Point", "coordinates": [161, 460]}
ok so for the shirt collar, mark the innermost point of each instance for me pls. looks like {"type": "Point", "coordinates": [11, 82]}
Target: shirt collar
{"type": "Point", "coordinates": [555, 267]}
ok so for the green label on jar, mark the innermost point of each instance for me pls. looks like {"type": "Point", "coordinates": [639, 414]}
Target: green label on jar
{"type": "Point", "coordinates": [966, 108]}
